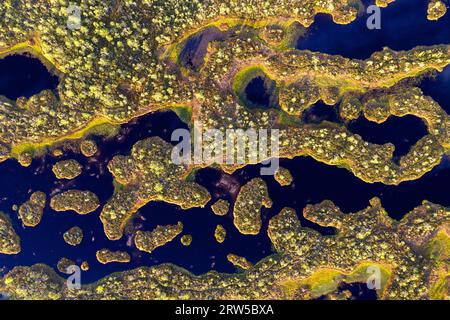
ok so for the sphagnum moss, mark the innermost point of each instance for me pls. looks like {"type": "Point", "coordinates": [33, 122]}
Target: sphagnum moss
{"type": "Point", "coordinates": [302, 77]}
{"type": "Point", "coordinates": [123, 86]}
{"type": "Point", "coordinates": [304, 265]}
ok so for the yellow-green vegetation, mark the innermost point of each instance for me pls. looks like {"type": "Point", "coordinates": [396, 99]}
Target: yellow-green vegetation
{"type": "Point", "coordinates": [436, 9]}
{"type": "Point", "coordinates": [4, 153]}
{"type": "Point", "coordinates": [112, 70]}
{"type": "Point", "coordinates": [88, 148]}
{"type": "Point", "coordinates": [283, 176]}
{"type": "Point", "coordinates": [107, 76]}
{"type": "Point", "coordinates": [25, 158]}
{"type": "Point", "coordinates": [148, 241]}
{"type": "Point", "coordinates": [243, 78]}
{"type": "Point", "coordinates": [247, 209]}
{"type": "Point", "coordinates": [306, 264]}
{"type": "Point", "coordinates": [186, 240]}
{"type": "Point", "coordinates": [184, 113]}
{"type": "Point", "coordinates": [327, 280]}
{"type": "Point", "coordinates": [98, 126]}
{"type": "Point", "coordinates": [32, 210]}
{"type": "Point", "coordinates": [426, 228]}
{"type": "Point", "coordinates": [73, 236]}
{"type": "Point", "coordinates": [383, 3]}
{"type": "Point", "coordinates": [63, 264]}
{"type": "Point", "coordinates": [85, 266]}
{"type": "Point", "coordinates": [221, 207]}
{"type": "Point", "coordinates": [9, 240]}
{"type": "Point", "coordinates": [82, 202]}
{"type": "Point", "coordinates": [401, 101]}
{"type": "Point", "coordinates": [273, 34]}
{"type": "Point", "coordinates": [67, 169]}
{"type": "Point", "coordinates": [110, 84]}
{"type": "Point", "coordinates": [282, 36]}
{"type": "Point", "coordinates": [220, 233]}
{"type": "Point", "coordinates": [439, 251]}
{"type": "Point", "coordinates": [148, 174]}
{"type": "Point", "coordinates": [305, 77]}
{"type": "Point", "coordinates": [57, 152]}
{"type": "Point", "coordinates": [105, 256]}
{"type": "Point", "coordinates": [239, 262]}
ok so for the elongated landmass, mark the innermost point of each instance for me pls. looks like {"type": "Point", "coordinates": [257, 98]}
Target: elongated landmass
{"type": "Point", "coordinates": [147, 63]}
{"type": "Point", "coordinates": [301, 76]}
{"type": "Point", "coordinates": [148, 241]}
{"type": "Point", "coordinates": [47, 118]}
{"type": "Point", "coordinates": [220, 233]}
{"type": "Point", "coordinates": [241, 46]}
{"type": "Point", "coordinates": [247, 209]}
{"type": "Point", "coordinates": [148, 174]}
{"type": "Point", "coordinates": [239, 262]}
{"type": "Point", "coordinates": [82, 202]}
{"type": "Point", "coordinates": [105, 256]}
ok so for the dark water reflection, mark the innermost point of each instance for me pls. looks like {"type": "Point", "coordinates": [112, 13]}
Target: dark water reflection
{"type": "Point", "coordinates": [23, 76]}
{"type": "Point", "coordinates": [404, 26]}
{"type": "Point", "coordinates": [402, 132]}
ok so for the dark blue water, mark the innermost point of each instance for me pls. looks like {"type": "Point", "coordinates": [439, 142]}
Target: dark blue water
{"type": "Point", "coordinates": [257, 93]}
{"type": "Point", "coordinates": [261, 93]}
{"type": "Point", "coordinates": [45, 243]}
{"type": "Point", "coordinates": [438, 88]}
{"type": "Point", "coordinates": [320, 112]}
{"type": "Point", "coordinates": [404, 26]}
{"type": "Point", "coordinates": [402, 132]}
{"type": "Point", "coordinates": [23, 76]}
